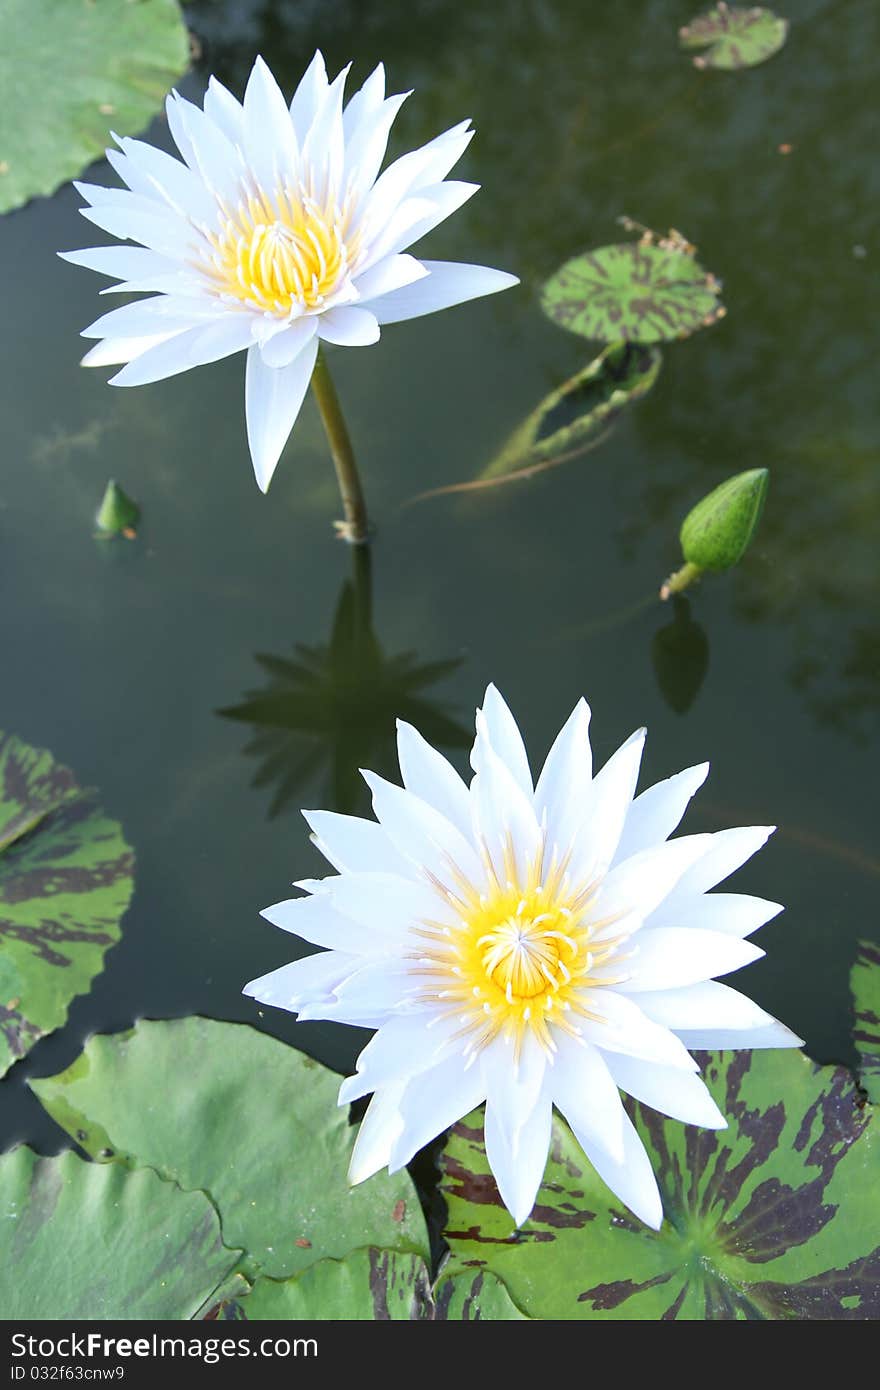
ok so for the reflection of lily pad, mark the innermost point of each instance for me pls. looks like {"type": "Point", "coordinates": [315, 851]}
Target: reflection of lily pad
{"type": "Point", "coordinates": [70, 72]}
{"type": "Point", "coordinates": [376, 1286]}
{"type": "Point", "coordinates": [89, 1241]}
{"type": "Point", "coordinates": [734, 38]}
{"type": "Point", "coordinates": [223, 1108]}
{"type": "Point", "coordinates": [65, 881]}
{"type": "Point", "coordinates": [650, 291]}
{"type": "Point", "coordinates": [775, 1217]}
{"type": "Point", "coordinates": [571, 416]}
{"type": "Point", "coordinates": [866, 995]}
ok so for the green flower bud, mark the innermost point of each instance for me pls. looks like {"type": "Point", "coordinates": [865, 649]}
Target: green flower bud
{"type": "Point", "coordinates": [117, 514]}
{"type": "Point", "coordinates": [717, 532]}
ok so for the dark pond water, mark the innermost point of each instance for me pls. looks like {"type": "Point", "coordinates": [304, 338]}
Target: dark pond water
{"type": "Point", "coordinates": [122, 658]}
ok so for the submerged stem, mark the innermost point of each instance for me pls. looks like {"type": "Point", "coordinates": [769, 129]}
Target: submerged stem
{"type": "Point", "coordinates": [354, 528]}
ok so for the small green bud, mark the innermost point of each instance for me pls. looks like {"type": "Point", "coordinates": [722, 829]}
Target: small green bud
{"type": "Point", "coordinates": [117, 514]}
{"type": "Point", "coordinates": [717, 532]}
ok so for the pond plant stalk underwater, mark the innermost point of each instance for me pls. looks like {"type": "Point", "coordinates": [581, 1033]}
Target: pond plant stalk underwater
{"type": "Point", "coordinates": [554, 1102]}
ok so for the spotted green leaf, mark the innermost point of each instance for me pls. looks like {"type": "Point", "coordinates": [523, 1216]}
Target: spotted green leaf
{"type": "Point", "coordinates": [375, 1286]}
{"type": "Point", "coordinates": [865, 981]}
{"type": "Point", "coordinates": [251, 1122]}
{"type": "Point", "coordinates": [733, 37]}
{"type": "Point", "coordinates": [65, 881]}
{"type": "Point", "coordinates": [70, 72]}
{"type": "Point", "coordinates": [638, 292]}
{"type": "Point", "coordinates": [776, 1217]}
{"type": "Point", "coordinates": [569, 418]}
{"type": "Point", "coordinates": [89, 1240]}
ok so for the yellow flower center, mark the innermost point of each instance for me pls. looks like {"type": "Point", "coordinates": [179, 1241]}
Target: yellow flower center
{"type": "Point", "coordinates": [282, 255]}
{"type": "Point", "coordinates": [524, 956]}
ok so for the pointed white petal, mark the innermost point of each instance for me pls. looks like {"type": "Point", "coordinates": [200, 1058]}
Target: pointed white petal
{"type": "Point", "coordinates": [425, 836]}
{"type": "Point", "coordinates": [630, 892]}
{"type": "Point", "coordinates": [681, 1094]}
{"type": "Point", "coordinates": [431, 1102]}
{"type": "Point", "coordinates": [323, 149]}
{"type": "Point", "coordinates": [219, 162]}
{"type": "Point", "coordinates": [376, 1135]}
{"type": "Point", "coordinates": [147, 223]}
{"type": "Point", "coordinates": [708, 1007]}
{"type": "Point", "coordinates": [513, 1085]}
{"type": "Point", "coordinates": [737, 914]}
{"type": "Point", "coordinates": [364, 103]}
{"type": "Point", "coordinates": [270, 145]}
{"type": "Point", "coordinates": [657, 812]}
{"type": "Point", "coordinates": [726, 852]}
{"type": "Point", "coordinates": [366, 997]}
{"type": "Point", "coordinates": [501, 729]}
{"type": "Point", "coordinates": [631, 1180]}
{"type": "Point", "coordinates": [308, 96]}
{"type": "Point", "coordinates": [432, 778]}
{"type": "Point", "coordinates": [629, 1028]}
{"type": "Point", "coordinates": [393, 273]}
{"type": "Point", "coordinates": [670, 957]}
{"type": "Point", "coordinates": [144, 316]}
{"type": "Point", "coordinates": [224, 110]}
{"type": "Point", "coordinates": [732, 1039]}
{"type": "Point", "coordinates": [355, 845]}
{"type": "Point", "coordinates": [122, 262]}
{"type": "Point", "coordinates": [386, 905]}
{"type": "Point", "coordinates": [603, 816]}
{"type": "Point", "coordinates": [417, 169]}
{"type": "Point", "coordinates": [504, 819]}
{"type": "Point", "coordinates": [280, 350]}
{"type": "Point", "coordinates": [366, 144]}
{"type": "Point", "coordinates": [446, 284]}
{"type": "Point", "coordinates": [518, 1174]}
{"type": "Point", "coordinates": [273, 397]}
{"type": "Point", "coordinates": [349, 326]}
{"type": "Point", "coordinates": [563, 787]}
{"type": "Point", "coordinates": [207, 342]}
{"type": "Point", "coordinates": [582, 1086]}
{"type": "Point", "coordinates": [437, 203]}
{"type": "Point", "coordinates": [313, 977]}
{"type": "Point", "coordinates": [315, 919]}
{"type": "Point", "coordinates": [403, 1047]}
{"type": "Point", "coordinates": [113, 350]}
{"type": "Point", "coordinates": [157, 175]}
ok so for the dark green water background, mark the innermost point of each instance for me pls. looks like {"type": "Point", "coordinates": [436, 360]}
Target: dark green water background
{"type": "Point", "coordinates": [119, 656]}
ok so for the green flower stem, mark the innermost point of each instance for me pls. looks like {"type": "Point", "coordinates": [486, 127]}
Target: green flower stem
{"type": "Point", "coordinates": [680, 580]}
{"type": "Point", "coordinates": [354, 528]}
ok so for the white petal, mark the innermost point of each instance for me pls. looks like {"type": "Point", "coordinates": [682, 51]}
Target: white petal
{"type": "Point", "coordinates": [431, 1102]}
{"type": "Point", "coordinates": [447, 283]}
{"type": "Point", "coordinates": [657, 812]}
{"type": "Point", "coordinates": [681, 1094]}
{"type": "Point", "coordinates": [519, 1174]}
{"type": "Point", "coordinates": [207, 342]}
{"type": "Point", "coordinates": [401, 1048]}
{"type": "Point", "coordinates": [498, 725]}
{"type": "Point", "coordinates": [418, 168]}
{"type": "Point", "coordinates": [323, 149]}
{"type": "Point", "coordinates": [442, 200]}
{"type": "Point", "coordinates": [113, 350]}
{"type": "Point", "coordinates": [629, 1028]}
{"type": "Point", "coordinates": [313, 977]}
{"type": "Point", "coordinates": [350, 327]}
{"type": "Point", "coordinates": [563, 787]}
{"type": "Point", "coordinates": [581, 1084]}
{"type": "Point", "coordinates": [270, 144]}
{"type": "Point", "coordinates": [365, 102]}
{"type": "Point", "coordinates": [355, 845]}
{"type": "Point", "coordinates": [425, 836]}
{"type": "Point", "coordinates": [315, 919]}
{"type": "Point", "coordinates": [273, 397]}
{"type": "Point", "coordinates": [631, 1180]}
{"type": "Point", "coordinates": [366, 145]}
{"type": "Point", "coordinates": [151, 225]}
{"type": "Point", "coordinates": [280, 350]}
{"type": "Point", "coordinates": [366, 997]}
{"type": "Point", "coordinates": [393, 273]}
{"type": "Point", "coordinates": [308, 96]}
{"type": "Point", "coordinates": [158, 175]}
{"type": "Point", "coordinates": [385, 904]}
{"type": "Point", "coordinates": [224, 110]}
{"type": "Point", "coordinates": [217, 159]}
{"type": "Point", "coordinates": [712, 1008]}
{"type": "Point", "coordinates": [737, 914]}
{"type": "Point", "coordinates": [603, 816]}
{"type": "Point", "coordinates": [728, 850]}
{"type": "Point", "coordinates": [151, 316]}
{"type": "Point", "coordinates": [631, 891]}
{"type": "Point", "coordinates": [721, 1039]}
{"type": "Point", "coordinates": [671, 956]}
{"type": "Point", "coordinates": [376, 1135]}
{"type": "Point", "coordinates": [513, 1084]}
{"type": "Point", "coordinates": [504, 819]}
{"type": "Point", "coordinates": [122, 262]}
{"type": "Point", "coordinates": [431, 777]}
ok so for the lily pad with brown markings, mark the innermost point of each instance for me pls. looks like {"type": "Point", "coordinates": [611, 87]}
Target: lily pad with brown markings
{"type": "Point", "coordinates": [647, 291]}
{"type": "Point", "coordinates": [65, 882]}
{"type": "Point", "coordinates": [774, 1218]}
{"type": "Point", "coordinates": [865, 982]}
{"type": "Point", "coordinates": [734, 37]}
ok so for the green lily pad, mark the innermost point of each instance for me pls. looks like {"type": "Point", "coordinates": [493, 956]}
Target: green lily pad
{"type": "Point", "coordinates": [774, 1218]}
{"type": "Point", "coordinates": [253, 1123]}
{"type": "Point", "coordinates": [65, 881]}
{"type": "Point", "coordinates": [70, 72]}
{"type": "Point", "coordinates": [865, 982]}
{"type": "Point", "coordinates": [375, 1286]}
{"type": "Point", "coordinates": [649, 291]}
{"type": "Point", "coordinates": [89, 1241]}
{"type": "Point", "coordinates": [734, 38]}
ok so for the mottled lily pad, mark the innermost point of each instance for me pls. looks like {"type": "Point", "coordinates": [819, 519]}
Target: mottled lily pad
{"type": "Point", "coordinates": [253, 1123]}
{"type": "Point", "coordinates": [865, 981]}
{"type": "Point", "coordinates": [733, 37]}
{"type": "Point", "coordinates": [88, 1241]}
{"type": "Point", "coordinates": [649, 291]}
{"type": "Point", "coordinates": [375, 1286]}
{"type": "Point", "coordinates": [70, 72]}
{"type": "Point", "coordinates": [774, 1218]}
{"type": "Point", "coordinates": [65, 881]}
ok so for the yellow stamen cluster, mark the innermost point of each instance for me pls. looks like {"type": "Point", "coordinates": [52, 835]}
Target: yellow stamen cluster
{"type": "Point", "coordinates": [526, 955]}
{"type": "Point", "coordinates": [279, 254]}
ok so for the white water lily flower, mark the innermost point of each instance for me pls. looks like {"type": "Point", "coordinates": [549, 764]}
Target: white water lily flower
{"type": "Point", "coordinates": [530, 946]}
{"type": "Point", "coordinates": [276, 231]}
